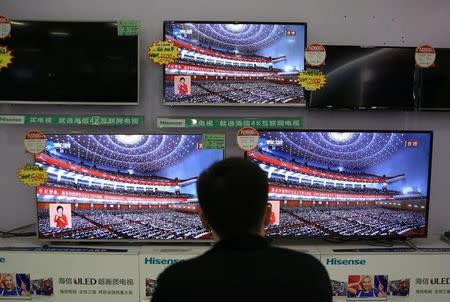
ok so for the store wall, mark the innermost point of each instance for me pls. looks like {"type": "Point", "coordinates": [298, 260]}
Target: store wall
{"type": "Point", "coordinates": [362, 22]}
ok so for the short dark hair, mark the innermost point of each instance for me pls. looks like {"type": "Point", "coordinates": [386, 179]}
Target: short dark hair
{"type": "Point", "coordinates": [182, 78]}
{"type": "Point", "coordinates": [233, 196]}
{"type": "Point", "coordinates": [59, 207]}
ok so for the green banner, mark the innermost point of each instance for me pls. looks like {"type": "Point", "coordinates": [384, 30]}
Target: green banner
{"type": "Point", "coordinates": [231, 123]}
{"type": "Point", "coordinates": [213, 141]}
{"type": "Point", "coordinates": [72, 120]}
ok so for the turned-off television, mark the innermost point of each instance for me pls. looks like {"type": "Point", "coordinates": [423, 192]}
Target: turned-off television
{"type": "Point", "coordinates": [71, 63]}
{"type": "Point", "coordinates": [235, 63]}
{"type": "Point", "coordinates": [122, 187]}
{"type": "Point", "coordinates": [350, 184]}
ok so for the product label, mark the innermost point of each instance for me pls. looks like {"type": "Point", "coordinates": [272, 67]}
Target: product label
{"type": "Point", "coordinates": [425, 56]}
{"type": "Point", "coordinates": [32, 175]}
{"type": "Point", "coordinates": [127, 27]}
{"type": "Point", "coordinates": [163, 52]}
{"type": "Point", "coordinates": [5, 57]}
{"type": "Point", "coordinates": [5, 27]}
{"type": "Point", "coordinates": [311, 79]}
{"type": "Point", "coordinates": [34, 142]}
{"type": "Point", "coordinates": [213, 141]}
{"type": "Point", "coordinates": [247, 138]}
{"type": "Point", "coordinates": [315, 54]}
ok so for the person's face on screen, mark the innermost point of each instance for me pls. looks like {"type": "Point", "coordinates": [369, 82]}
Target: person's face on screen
{"type": "Point", "coordinates": [23, 286]}
{"type": "Point", "coordinates": [367, 284]}
{"type": "Point", "coordinates": [9, 284]}
{"type": "Point", "coordinates": [60, 211]}
{"type": "Point", "coordinates": [182, 81]}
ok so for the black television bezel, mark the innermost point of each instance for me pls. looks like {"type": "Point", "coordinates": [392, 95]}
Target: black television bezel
{"type": "Point", "coordinates": [414, 90]}
{"type": "Point", "coordinates": [84, 102]}
{"type": "Point", "coordinates": [134, 241]}
{"type": "Point", "coordinates": [425, 235]}
{"type": "Point", "coordinates": [306, 93]}
{"type": "Point", "coordinates": [421, 81]}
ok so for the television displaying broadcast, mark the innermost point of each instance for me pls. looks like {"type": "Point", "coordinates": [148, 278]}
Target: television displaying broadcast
{"type": "Point", "coordinates": [235, 63]}
{"type": "Point", "coordinates": [346, 184]}
{"type": "Point", "coordinates": [122, 187]}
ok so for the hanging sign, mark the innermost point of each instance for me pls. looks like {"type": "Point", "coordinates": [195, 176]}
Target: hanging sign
{"type": "Point", "coordinates": [315, 54]}
{"type": "Point", "coordinates": [32, 175]}
{"type": "Point", "coordinates": [5, 27]}
{"type": "Point", "coordinates": [5, 57]}
{"type": "Point", "coordinates": [34, 142]}
{"type": "Point", "coordinates": [425, 56]}
{"type": "Point", "coordinates": [311, 79]}
{"type": "Point", "coordinates": [163, 52]}
{"type": "Point", "coordinates": [247, 138]}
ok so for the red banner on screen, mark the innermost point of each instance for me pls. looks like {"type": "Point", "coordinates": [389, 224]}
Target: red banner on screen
{"type": "Point", "coordinates": [301, 192]}
{"type": "Point", "coordinates": [61, 192]}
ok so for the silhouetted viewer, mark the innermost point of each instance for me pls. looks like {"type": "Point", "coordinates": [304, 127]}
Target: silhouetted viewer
{"type": "Point", "coordinates": [242, 266]}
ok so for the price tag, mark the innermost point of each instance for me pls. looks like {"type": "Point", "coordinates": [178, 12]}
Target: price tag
{"type": "Point", "coordinates": [247, 138]}
{"type": "Point", "coordinates": [5, 27]}
{"type": "Point", "coordinates": [32, 175]}
{"type": "Point", "coordinates": [5, 57]}
{"type": "Point", "coordinates": [315, 54]}
{"type": "Point", "coordinates": [311, 79]}
{"type": "Point", "coordinates": [425, 56]}
{"type": "Point", "coordinates": [163, 52]}
{"type": "Point", "coordinates": [34, 142]}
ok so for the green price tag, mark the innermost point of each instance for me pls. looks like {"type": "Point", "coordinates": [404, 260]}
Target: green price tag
{"type": "Point", "coordinates": [127, 27]}
{"type": "Point", "coordinates": [213, 141]}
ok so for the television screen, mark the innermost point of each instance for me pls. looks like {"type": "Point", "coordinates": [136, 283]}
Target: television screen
{"type": "Point", "coordinates": [122, 187]}
{"type": "Point", "coordinates": [435, 83]}
{"type": "Point", "coordinates": [235, 63]}
{"type": "Point", "coordinates": [70, 63]}
{"type": "Point", "coordinates": [346, 184]}
{"type": "Point", "coordinates": [367, 78]}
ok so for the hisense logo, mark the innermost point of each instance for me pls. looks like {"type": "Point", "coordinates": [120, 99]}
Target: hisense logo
{"type": "Point", "coordinates": [336, 261]}
{"type": "Point", "coordinates": [12, 119]}
{"type": "Point", "coordinates": [171, 122]}
{"type": "Point", "coordinates": [153, 260]}
{"type": "Point", "coordinates": [2, 260]}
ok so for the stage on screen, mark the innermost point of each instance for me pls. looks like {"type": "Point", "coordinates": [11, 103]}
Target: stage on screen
{"type": "Point", "coordinates": [346, 184]}
{"type": "Point", "coordinates": [122, 187]}
{"type": "Point", "coordinates": [235, 63]}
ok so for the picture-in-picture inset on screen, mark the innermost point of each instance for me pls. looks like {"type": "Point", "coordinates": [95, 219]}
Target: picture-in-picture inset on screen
{"type": "Point", "coordinates": [15, 286]}
{"type": "Point", "coordinates": [371, 184]}
{"type": "Point", "coordinates": [122, 187]}
{"type": "Point", "coordinates": [235, 63]}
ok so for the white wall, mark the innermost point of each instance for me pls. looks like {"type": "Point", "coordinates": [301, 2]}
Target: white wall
{"type": "Point", "coordinates": [362, 22]}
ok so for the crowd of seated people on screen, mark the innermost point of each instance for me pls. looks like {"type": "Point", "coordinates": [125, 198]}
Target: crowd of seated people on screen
{"type": "Point", "coordinates": [346, 221]}
{"type": "Point", "coordinates": [192, 62]}
{"type": "Point", "coordinates": [243, 92]}
{"type": "Point", "coordinates": [125, 224]}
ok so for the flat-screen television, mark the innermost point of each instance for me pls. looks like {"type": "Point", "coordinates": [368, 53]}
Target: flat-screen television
{"type": "Point", "coordinates": [367, 78]}
{"type": "Point", "coordinates": [351, 184]}
{"type": "Point", "coordinates": [122, 187]}
{"type": "Point", "coordinates": [235, 63]}
{"type": "Point", "coordinates": [435, 83]}
{"type": "Point", "coordinates": [79, 63]}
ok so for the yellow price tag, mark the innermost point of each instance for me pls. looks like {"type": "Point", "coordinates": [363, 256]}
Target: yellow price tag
{"type": "Point", "coordinates": [163, 52]}
{"type": "Point", "coordinates": [311, 79]}
{"type": "Point", "coordinates": [32, 175]}
{"type": "Point", "coordinates": [5, 57]}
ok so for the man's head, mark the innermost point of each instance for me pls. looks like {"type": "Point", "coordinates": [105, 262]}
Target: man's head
{"type": "Point", "coordinates": [59, 209]}
{"type": "Point", "coordinates": [182, 80]}
{"type": "Point", "coordinates": [233, 197]}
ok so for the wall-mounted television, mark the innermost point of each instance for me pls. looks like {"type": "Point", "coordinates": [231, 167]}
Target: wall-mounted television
{"type": "Point", "coordinates": [435, 83]}
{"type": "Point", "coordinates": [351, 184]}
{"type": "Point", "coordinates": [367, 78]}
{"type": "Point", "coordinates": [235, 63]}
{"type": "Point", "coordinates": [122, 187]}
{"type": "Point", "coordinates": [79, 63]}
